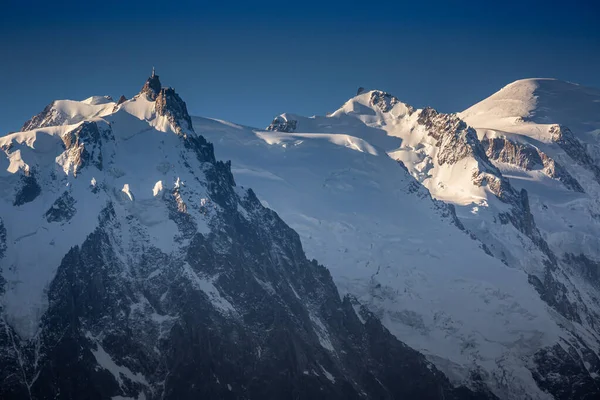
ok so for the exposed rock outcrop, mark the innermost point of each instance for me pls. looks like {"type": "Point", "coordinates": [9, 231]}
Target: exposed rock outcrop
{"type": "Point", "coordinates": [170, 105]}
{"type": "Point", "coordinates": [152, 87]}
{"type": "Point", "coordinates": [565, 381]}
{"type": "Point", "coordinates": [281, 124]}
{"type": "Point", "coordinates": [83, 146]}
{"type": "Point", "coordinates": [27, 190]}
{"type": "Point", "coordinates": [455, 139]}
{"type": "Point", "coordinates": [48, 117]}
{"type": "Point", "coordinates": [529, 158]}
{"type": "Point", "coordinates": [563, 136]}
{"type": "Point", "coordinates": [63, 209]}
{"type": "Point", "coordinates": [384, 101]}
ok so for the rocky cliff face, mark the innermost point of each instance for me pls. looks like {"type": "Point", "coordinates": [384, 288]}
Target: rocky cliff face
{"type": "Point", "coordinates": [456, 141]}
{"type": "Point", "coordinates": [283, 124]}
{"type": "Point", "coordinates": [529, 158]}
{"type": "Point", "coordinates": [48, 117]}
{"type": "Point", "coordinates": [152, 87]}
{"type": "Point", "coordinates": [382, 100]}
{"type": "Point", "coordinates": [83, 146]}
{"type": "Point", "coordinates": [170, 105]}
{"type": "Point", "coordinates": [231, 308]}
{"type": "Point", "coordinates": [563, 136]}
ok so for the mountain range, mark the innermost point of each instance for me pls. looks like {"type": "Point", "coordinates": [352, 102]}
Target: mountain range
{"type": "Point", "coordinates": [377, 251]}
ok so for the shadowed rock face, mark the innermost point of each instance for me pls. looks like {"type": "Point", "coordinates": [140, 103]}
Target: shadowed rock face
{"type": "Point", "coordinates": [575, 381]}
{"type": "Point", "coordinates": [47, 117]}
{"type": "Point", "coordinates": [28, 190]}
{"type": "Point", "coordinates": [62, 210]}
{"type": "Point", "coordinates": [529, 158]}
{"type": "Point", "coordinates": [588, 269]}
{"type": "Point", "coordinates": [384, 101]}
{"type": "Point", "coordinates": [152, 87]}
{"type": "Point", "coordinates": [169, 104]}
{"type": "Point", "coordinates": [83, 146]}
{"type": "Point", "coordinates": [280, 124]}
{"type": "Point", "coordinates": [454, 138]}
{"type": "Point", "coordinates": [563, 136]}
{"type": "Point", "coordinates": [265, 347]}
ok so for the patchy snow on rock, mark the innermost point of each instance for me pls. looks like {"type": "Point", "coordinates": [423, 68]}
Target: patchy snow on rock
{"type": "Point", "coordinates": [105, 361]}
{"type": "Point", "coordinates": [327, 374]}
{"type": "Point", "coordinates": [207, 286]}
{"type": "Point", "coordinates": [322, 333]}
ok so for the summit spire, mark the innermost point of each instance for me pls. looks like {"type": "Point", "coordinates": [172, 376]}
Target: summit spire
{"type": "Point", "coordinates": [152, 86]}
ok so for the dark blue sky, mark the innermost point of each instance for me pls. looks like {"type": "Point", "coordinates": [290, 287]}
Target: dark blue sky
{"type": "Point", "coordinates": [249, 61]}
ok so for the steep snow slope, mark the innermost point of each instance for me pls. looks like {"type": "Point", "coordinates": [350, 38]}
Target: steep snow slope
{"type": "Point", "coordinates": [67, 112]}
{"type": "Point", "coordinates": [387, 243]}
{"type": "Point", "coordinates": [528, 105]}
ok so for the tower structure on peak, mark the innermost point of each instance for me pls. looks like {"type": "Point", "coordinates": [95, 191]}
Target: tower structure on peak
{"type": "Point", "coordinates": [152, 86]}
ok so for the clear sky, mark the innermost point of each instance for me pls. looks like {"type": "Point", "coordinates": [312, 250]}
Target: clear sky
{"type": "Point", "coordinates": [249, 61]}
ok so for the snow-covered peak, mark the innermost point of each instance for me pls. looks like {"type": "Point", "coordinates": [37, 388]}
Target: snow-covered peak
{"type": "Point", "coordinates": [123, 149]}
{"type": "Point", "coordinates": [540, 101]}
{"type": "Point", "coordinates": [436, 148]}
{"type": "Point", "coordinates": [69, 112]}
{"type": "Point", "coordinates": [372, 107]}
{"type": "Point", "coordinates": [374, 102]}
{"type": "Point", "coordinates": [97, 100]}
{"type": "Point", "coordinates": [160, 106]}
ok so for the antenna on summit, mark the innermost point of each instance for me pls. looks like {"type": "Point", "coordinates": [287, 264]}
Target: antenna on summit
{"type": "Point", "coordinates": [153, 73]}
